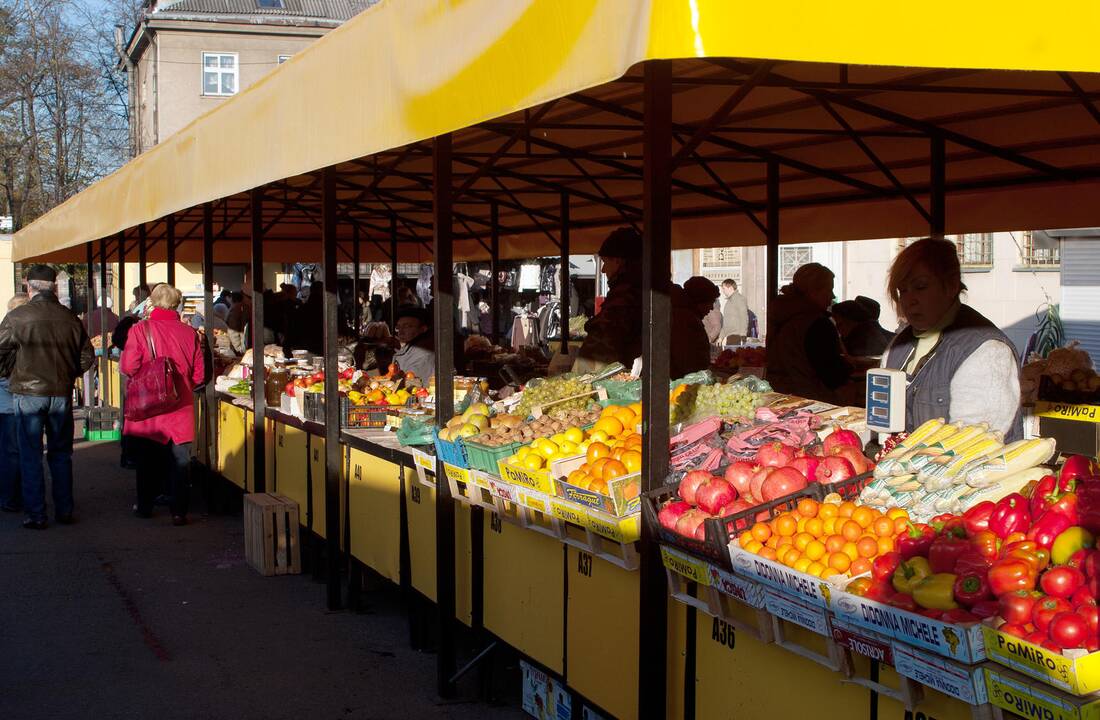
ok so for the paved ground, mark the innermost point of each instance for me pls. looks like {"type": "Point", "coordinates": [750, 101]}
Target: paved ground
{"type": "Point", "coordinates": [117, 617]}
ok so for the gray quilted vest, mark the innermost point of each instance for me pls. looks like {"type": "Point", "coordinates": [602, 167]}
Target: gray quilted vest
{"type": "Point", "coordinates": [928, 394]}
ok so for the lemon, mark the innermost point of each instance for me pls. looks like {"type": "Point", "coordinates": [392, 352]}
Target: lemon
{"type": "Point", "coordinates": [522, 453]}
{"type": "Point", "coordinates": [574, 435]}
{"type": "Point", "coordinates": [598, 435]}
{"type": "Point", "coordinates": [532, 462]}
{"type": "Point", "coordinates": [546, 449]}
{"type": "Point", "coordinates": [567, 448]}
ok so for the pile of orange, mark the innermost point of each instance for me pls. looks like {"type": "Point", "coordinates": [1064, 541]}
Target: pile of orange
{"type": "Point", "coordinates": [615, 449]}
{"type": "Point", "coordinates": [826, 538]}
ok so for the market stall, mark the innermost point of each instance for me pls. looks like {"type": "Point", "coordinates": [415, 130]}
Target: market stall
{"type": "Point", "coordinates": [671, 118]}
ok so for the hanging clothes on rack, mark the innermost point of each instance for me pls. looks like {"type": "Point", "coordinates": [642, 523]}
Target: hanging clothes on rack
{"type": "Point", "coordinates": [525, 330]}
{"type": "Point", "coordinates": [380, 279]}
{"type": "Point", "coordinates": [549, 278]}
{"type": "Point", "coordinates": [467, 319]}
{"type": "Point", "coordinates": [424, 284]}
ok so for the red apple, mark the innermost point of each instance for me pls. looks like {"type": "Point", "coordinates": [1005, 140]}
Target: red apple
{"type": "Point", "coordinates": [834, 469]}
{"type": "Point", "coordinates": [775, 454]}
{"type": "Point", "coordinates": [740, 475]}
{"type": "Point", "coordinates": [860, 462]}
{"type": "Point", "coordinates": [691, 525]}
{"type": "Point", "coordinates": [841, 438]}
{"type": "Point", "coordinates": [782, 481]}
{"type": "Point", "coordinates": [807, 465]}
{"type": "Point", "coordinates": [758, 480]}
{"type": "Point", "coordinates": [691, 483]}
{"type": "Point", "coordinates": [671, 513]}
{"type": "Point", "coordinates": [1076, 467]}
{"type": "Point", "coordinates": [713, 494]}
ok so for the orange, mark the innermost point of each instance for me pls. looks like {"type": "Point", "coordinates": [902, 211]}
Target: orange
{"type": "Point", "coordinates": [807, 507]}
{"type": "Point", "coordinates": [868, 546]}
{"type": "Point", "coordinates": [828, 572]}
{"type": "Point", "coordinates": [772, 541]}
{"type": "Point", "coordinates": [885, 545]}
{"type": "Point", "coordinates": [895, 513]}
{"type": "Point", "coordinates": [827, 510]}
{"type": "Point", "coordinates": [575, 476]}
{"type": "Point", "coordinates": [760, 531]}
{"type": "Point", "coordinates": [596, 451]}
{"type": "Point", "coordinates": [840, 562]}
{"type": "Point", "coordinates": [801, 564]}
{"type": "Point", "coordinates": [802, 539]}
{"type": "Point", "coordinates": [883, 527]}
{"type": "Point", "coordinates": [833, 543]}
{"type": "Point", "coordinates": [612, 469]}
{"type": "Point", "coordinates": [786, 525]}
{"type": "Point", "coordinates": [636, 408]}
{"type": "Point", "coordinates": [596, 471]}
{"type": "Point", "coordinates": [598, 485]}
{"type": "Point", "coordinates": [754, 547]}
{"type": "Point", "coordinates": [617, 451]}
{"type": "Point", "coordinates": [851, 550]}
{"type": "Point", "coordinates": [609, 425]}
{"type": "Point", "coordinates": [851, 530]}
{"type": "Point", "coordinates": [828, 526]}
{"type": "Point", "coordinates": [815, 550]}
{"type": "Point", "coordinates": [815, 526]}
{"type": "Point", "coordinates": [901, 525]}
{"type": "Point", "coordinates": [790, 557]}
{"type": "Point", "coordinates": [846, 508]}
{"type": "Point", "coordinates": [864, 516]}
{"type": "Point", "coordinates": [859, 567]}
{"type": "Point", "coordinates": [634, 443]}
{"type": "Point", "coordinates": [815, 569]}
{"type": "Point", "coordinates": [784, 541]}
{"type": "Point", "coordinates": [626, 416]}
{"type": "Point", "coordinates": [633, 460]}
{"type": "Point", "coordinates": [767, 553]}
{"type": "Point", "coordinates": [802, 524]}
{"type": "Point", "coordinates": [744, 538]}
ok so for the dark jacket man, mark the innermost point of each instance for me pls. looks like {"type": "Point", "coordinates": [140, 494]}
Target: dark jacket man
{"type": "Point", "coordinates": [49, 344]}
{"type": "Point", "coordinates": [615, 334]}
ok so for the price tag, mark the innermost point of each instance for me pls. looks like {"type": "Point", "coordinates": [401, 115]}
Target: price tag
{"type": "Point", "coordinates": [456, 473]}
{"type": "Point", "coordinates": [568, 512]}
{"type": "Point", "coordinates": [689, 567]}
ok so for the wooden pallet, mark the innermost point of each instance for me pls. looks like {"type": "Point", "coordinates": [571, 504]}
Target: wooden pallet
{"type": "Point", "coordinates": [271, 534]}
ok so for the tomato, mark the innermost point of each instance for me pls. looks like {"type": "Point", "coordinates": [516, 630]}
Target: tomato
{"type": "Point", "coordinates": [1046, 609]}
{"type": "Point", "coordinates": [1082, 597]}
{"type": "Point", "coordinates": [1017, 607]}
{"type": "Point", "coordinates": [1014, 629]}
{"type": "Point", "coordinates": [1036, 637]}
{"type": "Point", "coordinates": [1051, 645]}
{"type": "Point", "coordinates": [1069, 630]}
{"type": "Point", "coordinates": [1061, 582]}
{"type": "Point", "coordinates": [1091, 616]}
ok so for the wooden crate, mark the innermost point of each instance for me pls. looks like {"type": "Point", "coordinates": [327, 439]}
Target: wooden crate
{"type": "Point", "coordinates": [271, 534]}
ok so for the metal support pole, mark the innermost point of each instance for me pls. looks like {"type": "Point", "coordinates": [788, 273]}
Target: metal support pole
{"type": "Point", "coordinates": [143, 257]}
{"type": "Point", "coordinates": [443, 304]}
{"type": "Point", "coordinates": [259, 399]}
{"type": "Point", "coordinates": [105, 345]}
{"type": "Point", "coordinates": [563, 300]}
{"type": "Point", "coordinates": [356, 306]}
{"type": "Point", "coordinates": [772, 225]}
{"type": "Point", "coordinates": [938, 194]}
{"type": "Point", "coordinates": [121, 273]}
{"type": "Point", "coordinates": [393, 272]}
{"type": "Point", "coordinates": [211, 400]}
{"type": "Point", "coordinates": [89, 295]}
{"type": "Point", "coordinates": [170, 251]}
{"type": "Point", "coordinates": [332, 389]}
{"type": "Point", "coordinates": [494, 270]}
{"type": "Point", "coordinates": [656, 309]}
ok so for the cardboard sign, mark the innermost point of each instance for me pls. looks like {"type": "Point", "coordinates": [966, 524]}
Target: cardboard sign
{"type": "Point", "coordinates": [864, 644]}
{"type": "Point", "coordinates": [963, 682]}
{"type": "Point", "coordinates": [1067, 411]}
{"type": "Point", "coordinates": [692, 568]}
{"type": "Point", "coordinates": [812, 617]}
{"type": "Point", "coordinates": [1079, 675]}
{"type": "Point", "coordinates": [1028, 699]}
{"type": "Point", "coordinates": [456, 474]}
{"type": "Point", "coordinates": [739, 589]}
{"type": "Point", "coordinates": [807, 587]}
{"type": "Point", "coordinates": [621, 530]}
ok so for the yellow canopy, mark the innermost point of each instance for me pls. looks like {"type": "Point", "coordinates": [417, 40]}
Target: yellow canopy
{"type": "Point", "coordinates": [547, 96]}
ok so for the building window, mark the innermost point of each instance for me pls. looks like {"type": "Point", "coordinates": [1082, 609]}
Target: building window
{"type": "Point", "coordinates": [283, 59]}
{"type": "Point", "coordinates": [791, 258]}
{"type": "Point", "coordinates": [975, 249]}
{"type": "Point", "coordinates": [718, 264]}
{"type": "Point", "coordinates": [219, 73]}
{"type": "Point", "coordinates": [273, 4]}
{"type": "Point", "coordinates": [1044, 257]}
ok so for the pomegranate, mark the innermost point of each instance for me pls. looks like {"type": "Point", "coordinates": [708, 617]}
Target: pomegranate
{"type": "Point", "coordinates": [834, 469]}
{"type": "Point", "coordinates": [807, 465]}
{"type": "Point", "coordinates": [671, 513]}
{"type": "Point", "coordinates": [691, 524]}
{"type": "Point", "coordinates": [860, 462]}
{"type": "Point", "coordinates": [713, 494]}
{"type": "Point", "coordinates": [1076, 467]}
{"type": "Point", "coordinates": [691, 483]}
{"type": "Point", "coordinates": [782, 481]}
{"type": "Point", "coordinates": [758, 480]}
{"type": "Point", "coordinates": [734, 507]}
{"type": "Point", "coordinates": [740, 475]}
{"type": "Point", "coordinates": [842, 438]}
{"type": "Point", "coordinates": [775, 454]}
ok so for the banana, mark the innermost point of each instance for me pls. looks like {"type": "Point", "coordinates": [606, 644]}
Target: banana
{"type": "Point", "coordinates": [1014, 458]}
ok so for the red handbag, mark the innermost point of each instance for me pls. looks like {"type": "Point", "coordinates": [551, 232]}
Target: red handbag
{"type": "Point", "coordinates": [155, 388]}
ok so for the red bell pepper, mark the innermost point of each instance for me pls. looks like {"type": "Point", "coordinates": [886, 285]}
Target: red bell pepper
{"type": "Point", "coordinates": [884, 566]}
{"type": "Point", "coordinates": [959, 616]}
{"type": "Point", "coordinates": [1046, 486]}
{"type": "Point", "coordinates": [972, 588]}
{"type": "Point", "coordinates": [930, 613]}
{"type": "Point", "coordinates": [1088, 503]}
{"type": "Point", "coordinates": [945, 552]}
{"type": "Point", "coordinates": [986, 608]}
{"type": "Point", "coordinates": [1048, 527]}
{"type": "Point", "coordinates": [972, 561]}
{"type": "Point", "coordinates": [1010, 575]}
{"type": "Point", "coordinates": [976, 519]}
{"type": "Point", "coordinates": [916, 541]}
{"type": "Point", "coordinates": [903, 601]}
{"type": "Point", "coordinates": [948, 523]}
{"type": "Point", "coordinates": [986, 543]}
{"type": "Point", "coordinates": [879, 591]}
{"type": "Point", "coordinates": [1010, 515]}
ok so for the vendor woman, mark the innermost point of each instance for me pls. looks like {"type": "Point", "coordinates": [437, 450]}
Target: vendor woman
{"type": "Point", "coordinates": [960, 366]}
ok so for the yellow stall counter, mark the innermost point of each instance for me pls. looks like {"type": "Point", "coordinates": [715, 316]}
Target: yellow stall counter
{"type": "Point", "coordinates": [317, 491]}
{"type": "Point", "coordinates": [231, 443]}
{"type": "Point", "coordinates": [374, 511]}
{"type": "Point", "coordinates": [933, 705]}
{"type": "Point", "coordinates": [250, 445]}
{"type": "Point", "coordinates": [291, 469]}
{"type": "Point", "coordinates": [420, 503]}
{"type": "Point", "coordinates": [525, 591]}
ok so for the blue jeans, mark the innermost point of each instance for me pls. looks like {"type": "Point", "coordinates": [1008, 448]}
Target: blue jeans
{"type": "Point", "coordinates": [11, 491]}
{"type": "Point", "coordinates": [54, 416]}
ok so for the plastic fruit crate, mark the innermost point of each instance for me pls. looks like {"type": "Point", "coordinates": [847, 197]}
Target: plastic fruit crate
{"type": "Point", "coordinates": [451, 452]}
{"type": "Point", "coordinates": [367, 416]}
{"type": "Point", "coordinates": [847, 489]}
{"type": "Point", "coordinates": [102, 435]}
{"type": "Point", "coordinates": [485, 458]}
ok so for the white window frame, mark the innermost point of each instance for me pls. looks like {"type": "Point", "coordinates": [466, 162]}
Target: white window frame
{"type": "Point", "coordinates": [792, 264]}
{"type": "Point", "coordinates": [235, 71]}
{"type": "Point", "coordinates": [280, 59]}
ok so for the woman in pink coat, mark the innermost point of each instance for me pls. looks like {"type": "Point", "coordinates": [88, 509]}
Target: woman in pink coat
{"type": "Point", "coordinates": [162, 443]}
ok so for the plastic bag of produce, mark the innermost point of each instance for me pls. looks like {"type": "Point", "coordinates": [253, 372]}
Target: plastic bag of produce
{"type": "Point", "coordinates": [414, 432]}
{"type": "Point", "coordinates": [753, 383]}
